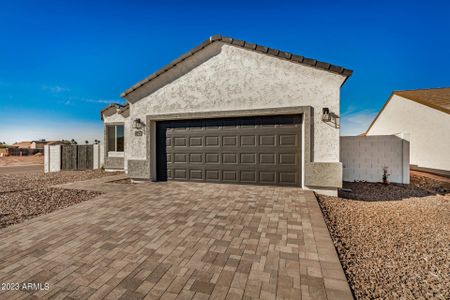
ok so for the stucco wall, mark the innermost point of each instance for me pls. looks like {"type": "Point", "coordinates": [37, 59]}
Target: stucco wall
{"type": "Point", "coordinates": [225, 77]}
{"type": "Point", "coordinates": [111, 162]}
{"type": "Point", "coordinates": [364, 157]}
{"type": "Point", "coordinates": [52, 158]}
{"type": "Point", "coordinates": [428, 128]}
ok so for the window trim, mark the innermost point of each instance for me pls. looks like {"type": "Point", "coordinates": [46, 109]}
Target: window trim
{"type": "Point", "coordinates": [115, 137]}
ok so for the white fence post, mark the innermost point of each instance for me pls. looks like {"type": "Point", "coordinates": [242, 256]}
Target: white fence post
{"type": "Point", "coordinates": [102, 155]}
{"type": "Point", "coordinates": [98, 156]}
{"type": "Point", "coordinates": [96, 159]}
{"type": "Point", "coordinates": [46, 159]}
{"type": "Point", "coordinates": [55, 158]}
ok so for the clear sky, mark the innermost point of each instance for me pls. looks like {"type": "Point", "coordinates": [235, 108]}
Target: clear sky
{"type": "Point", "coordinates": [61, 61]}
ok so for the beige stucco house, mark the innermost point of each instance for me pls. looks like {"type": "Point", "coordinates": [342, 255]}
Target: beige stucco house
{"type": "Point", "coordinates": [424, 115]}
{"type": "Point", "coordinates": [231, 111]}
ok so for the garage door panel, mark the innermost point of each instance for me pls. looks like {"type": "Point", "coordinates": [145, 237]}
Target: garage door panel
{"type": "Point", "coordinates": [287, 159]}
{"type": "Point", "coordinates": [229, 158]}
{"type": "Point", "coordinates": [267, 140]}
{"type": "Point", "coordinates": [248, 176]}
{"type": "Point", "coordinates": [196, 158]}
{"type": "Point", "coordinates": [288, 178]}
{"type": "Point", "coordinates": [262, 150]}
{"type": "Point", "coordinates": [195, 141]}
{"type": "Point", "coordinates": [211, 158]}
{"type": "Point", "coordinates": [211, 141]}
{"type": "Point", "coordinates": [288, 140]}
{"type": "Point", "coordinates": [179, 157]}
{"type": "Point", "coordinates": [248, 141]}
{"type": "Point", "coordinates": [248, 158]}
{"type": "Point", "coordinates": [230, 176]}
{"type": "Point", "coordinates": [212, 175]}
{"type": "Point", "coordinates": [179, 174]}
{"type": "Point", "coordinates": [267, 158]}
{"type": "Point", "coordinates": [179, 142]}
{"type": "Point", "coordinates": [268, 177]}
{"type": "Point", "coordinates": [229, 141]}
{"type": "Point", "coordinates": [196, 174]}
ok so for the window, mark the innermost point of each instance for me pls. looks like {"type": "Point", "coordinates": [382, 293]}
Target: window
{"type": "Point", "coordinates": [115, 137]}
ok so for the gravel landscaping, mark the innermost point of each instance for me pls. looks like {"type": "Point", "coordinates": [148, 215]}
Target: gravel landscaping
{"type": "Point", "coordinates": [24, 196]}
{"type": "Point", "coordinates": [397, 249]}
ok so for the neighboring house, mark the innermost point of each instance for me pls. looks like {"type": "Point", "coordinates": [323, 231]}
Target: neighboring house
{"type": "Point", "coordinates": [54, 143]}
{"type": "Point", "coordinates": [38, 145]}
{"type": "Point", "coordinates": [22, 145]}
{"type": "Point", "coordinates": [233, 112]}
{"type": "Point", "coordinates": [425, 116]}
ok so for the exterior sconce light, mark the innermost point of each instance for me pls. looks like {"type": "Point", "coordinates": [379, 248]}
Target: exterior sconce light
{"type": "Point", "coordinates": [137, 124]}
{"type": "Point", "coordinates": [326, 117]}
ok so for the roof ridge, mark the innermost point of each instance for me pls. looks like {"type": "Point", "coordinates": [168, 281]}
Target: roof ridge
{"type": "Point", "coordinates": [246, 45]}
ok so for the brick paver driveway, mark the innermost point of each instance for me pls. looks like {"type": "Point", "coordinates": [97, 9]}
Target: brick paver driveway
{"type": "Point", "coordinates": [177, 240]}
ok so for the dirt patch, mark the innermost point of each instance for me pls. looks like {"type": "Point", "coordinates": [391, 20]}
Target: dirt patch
{"type": "Point", "coordinates": [9, 161]}
{"type": "Point", "coordinates": [431, 183]}
{"type": "Point", "coordinates": [392, 249]}
{"type": "Point", "coordinates": [24, 196]}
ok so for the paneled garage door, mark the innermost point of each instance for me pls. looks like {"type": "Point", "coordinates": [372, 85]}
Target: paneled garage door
{"type": "Point", "coordinates": [260, 150]}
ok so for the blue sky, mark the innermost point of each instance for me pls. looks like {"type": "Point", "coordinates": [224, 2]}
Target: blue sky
{"type": "Point", "coordinates": [61, 61]}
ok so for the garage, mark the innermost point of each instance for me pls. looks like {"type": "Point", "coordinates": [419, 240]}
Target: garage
{"type": "Point", "coordinates": [232, 111]}
{"type": "Point", "coordinates": [252, 150]}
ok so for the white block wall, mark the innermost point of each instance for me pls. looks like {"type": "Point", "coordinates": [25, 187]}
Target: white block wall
{"type": "Point", "coordinates": [99, 156]}
{"type": "Point", "coordinates": [52, 158]}
{"type": "Point", "coordinates": [363, 158]}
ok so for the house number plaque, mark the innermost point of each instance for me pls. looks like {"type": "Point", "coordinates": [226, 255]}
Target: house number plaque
{"type": "Point", "coordinates": [138, 133]}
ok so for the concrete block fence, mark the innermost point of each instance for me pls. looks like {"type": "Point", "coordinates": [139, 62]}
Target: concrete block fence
{"type": "Point", "coordinates": [364, 157]}
{"type": "Point", "coordinates": [53, 155]}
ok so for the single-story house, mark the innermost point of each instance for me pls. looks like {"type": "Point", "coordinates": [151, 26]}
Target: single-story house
{"type": "Point", "coordinates": [38, 144]}
{"type": "Point", "coordinates": [424, 115]}
{"type": "Point", "coordinates": [231, 111]}
{"type": "Point", "coordinates": [22, 145]}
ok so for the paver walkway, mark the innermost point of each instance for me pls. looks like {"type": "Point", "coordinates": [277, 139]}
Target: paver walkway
{"type": "Point", "coordinates": [176, 240]}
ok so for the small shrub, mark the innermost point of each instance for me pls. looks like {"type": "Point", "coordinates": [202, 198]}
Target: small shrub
{"type": "Point", "coordinates": [386, 176]}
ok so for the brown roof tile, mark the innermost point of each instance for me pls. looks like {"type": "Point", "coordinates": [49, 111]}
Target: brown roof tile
{"type": "Point", "coordinates": [438, 98]}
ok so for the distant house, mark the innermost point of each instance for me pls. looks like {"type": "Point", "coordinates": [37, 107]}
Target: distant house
{"type": "Point", "coordinates": [38, 145]}
{"type": "Point", "coordinates": [425, 115]}
{"type": "Point", "coordinates": [22, 145]}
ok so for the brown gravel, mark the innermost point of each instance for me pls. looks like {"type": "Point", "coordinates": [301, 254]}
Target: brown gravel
{"type": "Point", "coordinates": [24, 196]}
{"type": "Point", "coordinates": [398, 249]}
{"type": "Point", "coordinates": [20, 182]}
{"type": "Point", "coordinates": [20, 206]}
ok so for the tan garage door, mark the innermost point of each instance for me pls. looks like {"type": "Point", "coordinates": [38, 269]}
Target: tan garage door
{"type": "Point", "coordinates": [259, 150]}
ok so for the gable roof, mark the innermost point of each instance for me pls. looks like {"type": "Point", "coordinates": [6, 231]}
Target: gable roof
{"type": "Point", "coordinates": [436, 98]}
{"type": "Point", "coordinates": [114, 108]}
{"type": "Point", "coordinates": [249, 46]}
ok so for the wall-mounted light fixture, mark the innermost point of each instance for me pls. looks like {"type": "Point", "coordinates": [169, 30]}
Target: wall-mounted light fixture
{"type": "Point", "coordinates": [326, 116]}
{"type": "Point", "coordinates": [137, 124]}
